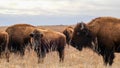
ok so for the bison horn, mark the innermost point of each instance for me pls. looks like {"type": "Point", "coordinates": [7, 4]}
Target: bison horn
{"type": "Point", "coordinates": [82, 26]}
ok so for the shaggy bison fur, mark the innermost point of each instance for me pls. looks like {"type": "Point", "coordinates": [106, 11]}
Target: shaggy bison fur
{"type": "Point", "coordinates": [102, 35]}
{"type": "Point", "coordinates": [46, 41]}
{"type": "Point", "coordinates": [19, 37]}
{"type": "Point", "coordinates": [68, 33]}
{"type": "Point", "coordinates": [4, 39]}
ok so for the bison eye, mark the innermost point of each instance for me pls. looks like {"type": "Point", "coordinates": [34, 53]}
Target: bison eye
{"type": "Point", "coordinates": [80, 33]}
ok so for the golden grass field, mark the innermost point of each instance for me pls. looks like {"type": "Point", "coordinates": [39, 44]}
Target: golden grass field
{"type": "Point", "coordinates": [73, 58]}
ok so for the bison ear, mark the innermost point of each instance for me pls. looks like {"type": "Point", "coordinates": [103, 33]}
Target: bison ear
{"type": "Point", "coordinates": [82, 26]}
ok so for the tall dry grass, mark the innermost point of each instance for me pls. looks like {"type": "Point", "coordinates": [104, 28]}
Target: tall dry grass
{"type": "Point", "coordinates": [73, 58]}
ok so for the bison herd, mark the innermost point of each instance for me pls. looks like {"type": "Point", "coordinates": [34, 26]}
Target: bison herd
{"type": "Point", "coordinates": [102, 35]}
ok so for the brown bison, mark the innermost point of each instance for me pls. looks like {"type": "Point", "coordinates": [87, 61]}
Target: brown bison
{"type": "Point", "coordinates": [4, 39]}
{"type": "Point", "coordinates": [101, 34]}
{"type": "Point", "coordinates": [19, 37]}
{"type": "Point", "coordinates": [68, 33]}
{"type": "Point", "coordinates": [46, 41]}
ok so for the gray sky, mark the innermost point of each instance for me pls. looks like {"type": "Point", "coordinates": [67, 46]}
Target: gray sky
{"type": "Point", "coordinates": [55, 12]}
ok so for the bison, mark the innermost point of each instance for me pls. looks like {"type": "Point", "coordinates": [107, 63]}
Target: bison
{"type": "Point", "coordinates": [19, 37]}
{"type": "Point", "coordinates": [102, 35]}
{"type": "Point", "coordinates": [46, 41]}
{"type": "Point", "coordinates": [4, 39]}
{"type": "Point", "coordinates": [68, 33]}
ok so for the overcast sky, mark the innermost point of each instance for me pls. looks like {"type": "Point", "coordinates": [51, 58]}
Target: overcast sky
{"type": "Point", "coordinates": [55, 12]}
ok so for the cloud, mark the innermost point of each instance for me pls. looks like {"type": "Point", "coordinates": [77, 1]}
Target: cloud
{"type": "Point", "coordinates": [60, 7]}
{"type": "Point", "coordinates": [31, 6]}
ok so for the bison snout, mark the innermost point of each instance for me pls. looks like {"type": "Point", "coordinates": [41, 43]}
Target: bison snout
{"type": "Point", "coordinates": [76, 46]}
{"type": "Point", "coordinates": [72, 44]}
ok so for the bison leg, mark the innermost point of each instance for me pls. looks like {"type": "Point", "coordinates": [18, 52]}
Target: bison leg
{"type": "Point", "coordinates": [104, 54]}
{"type": "Point", "coordinates": [105, 58]}
{"type": "Point", "coordinates": [40, 58]}
{"type": "Point", "coordinates": [0, 52]}
{"type": "Point", "coordinates": [108, 56]}
{"type": "Point", "coordinates": [7, 54]}
{"type": "Point", "coordinates": [1, 49]}
{"type": "Point", "coordinates": [61, 54]}
{"type": "Point", "coordinates": [41, 53]}
{"type": "Point", "coordinates": [22, 50]}
{"type": "Point", "coordinates": [111, 57]}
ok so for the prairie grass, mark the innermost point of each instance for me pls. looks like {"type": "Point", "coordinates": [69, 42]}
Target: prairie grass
{"type": "Point", "coordinates": [73, 58]}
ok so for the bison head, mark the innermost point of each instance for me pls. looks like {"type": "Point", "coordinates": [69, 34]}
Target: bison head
{"type": "Point", "coordinates": [68, 33]}
{"type": "Point", "coordinates": [37, 36]}
{"type": "Point", "coordinates": [81, 36]}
